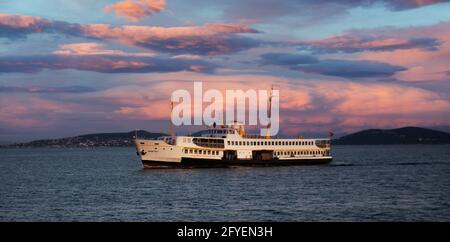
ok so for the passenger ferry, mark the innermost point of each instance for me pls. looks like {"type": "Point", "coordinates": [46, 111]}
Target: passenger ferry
{"type": "Point", "coordinates": [229, 145]}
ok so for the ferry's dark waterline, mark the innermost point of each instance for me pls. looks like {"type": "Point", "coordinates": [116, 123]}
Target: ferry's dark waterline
{"type": "Point", "coordinates": [363, 183]}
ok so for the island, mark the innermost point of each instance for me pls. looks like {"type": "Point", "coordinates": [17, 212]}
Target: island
{"type": "Point", "coordinates": [90, 140]}
{"type": "Point", "coordinates": [405, 135]}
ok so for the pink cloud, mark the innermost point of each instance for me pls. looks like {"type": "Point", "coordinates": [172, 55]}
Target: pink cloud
{"type": "Point", "coordinates": [208, 39]}
{"type": "Point", "coordinates": [92, 48]}
{"type": "Point", "coordinates": [422, 65]}
{"type": "Point", "coordinates": [306, 106]}
{"type": "Point", "coordinates": [31, 111]}
{"type": "Point", "coordinates": [314, 105]}
{"type": "Point", "coordinates": [135, 10]}
{"type": "Point", "coordinates": [18, 21]}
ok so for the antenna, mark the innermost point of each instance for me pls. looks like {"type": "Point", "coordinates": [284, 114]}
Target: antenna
{"type": "Point", "coordinates": [269, 113]}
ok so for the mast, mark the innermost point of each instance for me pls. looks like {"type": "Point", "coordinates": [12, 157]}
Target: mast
{"type": "Point", "coordinates": [269, 113]}
{"type": "Point", "coordinates": [171, 124]}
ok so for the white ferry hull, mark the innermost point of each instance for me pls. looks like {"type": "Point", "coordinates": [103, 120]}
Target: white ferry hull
{"type": "Point", "coordinates": [206, 163]}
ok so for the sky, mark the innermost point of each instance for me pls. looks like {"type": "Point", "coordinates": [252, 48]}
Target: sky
{"type": "Point", "coordinates": [70, 67]}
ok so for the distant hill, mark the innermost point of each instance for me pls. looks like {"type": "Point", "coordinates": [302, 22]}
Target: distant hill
{"type": "Point", "coordinates": [406, 135]}
{"type": "Point", "coordinates": [91, 140]}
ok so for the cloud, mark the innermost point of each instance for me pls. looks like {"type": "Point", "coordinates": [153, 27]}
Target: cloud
{"type": "Point", "coordinates": [422, 64]}
{"type": "Point", "coordinates": [208, 39]}
{"type": "Point", "coordinates": [287, 59]}
{"type": "Point", "coordinates": [331, 67]}
{"type": "Point", "coordinates": [101, 63]}
{"type": "Point", "coordinates": [352, 43]}
{"type": "Point", "coordinates": [92, 48]}
{"type": "Point", "coordinates": [135, 10]}
{"type": "Point", "coordinates": [409, 4]}
{"type": "Point", "coordinates": [34, 89]}
{"type": "Point", "coordinates": [18, 26]}
{"type": "Point", "coordinates": [313, 9]}
{"type": "Point", "coordinates": [350, 69]}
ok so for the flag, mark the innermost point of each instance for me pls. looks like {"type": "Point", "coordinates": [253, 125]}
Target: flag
{"type": "Point", "coordinates": [330, 133]}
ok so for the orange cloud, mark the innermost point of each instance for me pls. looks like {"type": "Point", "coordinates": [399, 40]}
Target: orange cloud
{"type": "Point", "coordinates": [135, 10]}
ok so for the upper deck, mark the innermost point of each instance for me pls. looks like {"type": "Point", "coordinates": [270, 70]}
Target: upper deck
{"type": "Point", "coordinates": [235, 137]}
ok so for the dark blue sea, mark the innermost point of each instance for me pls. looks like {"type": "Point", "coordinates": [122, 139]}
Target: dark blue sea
{"type": "Point", "coordinates": [363, 183]}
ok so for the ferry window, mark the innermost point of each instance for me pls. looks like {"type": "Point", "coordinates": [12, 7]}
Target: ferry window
{"type": "Point", "coordinates": [209, 152]}
{"type": "Point", "coordinates": [185, 151]}
{"type": "Point", "coordinates": [195, 151]}
{"type": "Point", "coordinates": [229, 142]}
{"type": "Point", "coordinates": [190, 151]}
